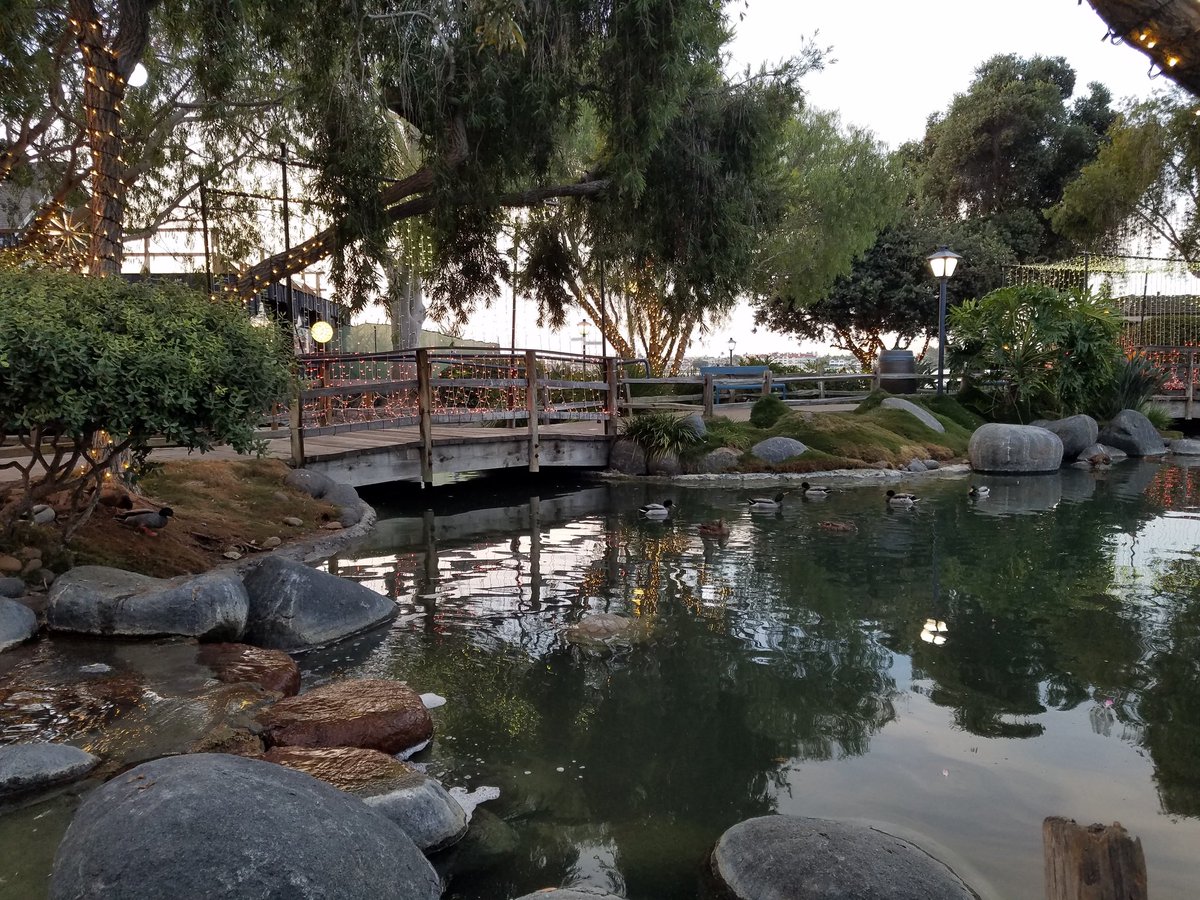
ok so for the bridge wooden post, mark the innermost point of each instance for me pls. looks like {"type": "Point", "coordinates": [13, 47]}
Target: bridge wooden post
{"type": "Point", "coordinates": [766, 391]}
{"type": "Point", "coordinates": [1191, 387]}
{"type": "Point", "coordinates": [610, 375]}
{"type": "Point", "coordinates": [708, 396]}
{"type": "Point", "coordinates": [531, 406]}
{"type": "Point", "coordinates": [296, 423]}
{"type": "Point", "coordinates": [425, 408]}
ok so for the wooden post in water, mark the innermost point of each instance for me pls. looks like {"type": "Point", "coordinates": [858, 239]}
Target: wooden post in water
{"type": "Point", "coordinates": [425, 409]}
{"type": "Point", "coordinates": [1096, 862]}
{"type": "Point", "coordinates": [1191, 377]}
{"type": "Point", "coordinates": [610, 375]}
{"type": "Point", "coordinates": [531, 406]}
{"type": "Point", "coordinates": [708, 396]}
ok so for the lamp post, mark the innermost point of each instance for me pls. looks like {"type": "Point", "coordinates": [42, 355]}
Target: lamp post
{"type": "Point", "coordinates": [732, 344]}
{"type": "Point", "coordinates": [942, 263]}
{"type": "Point", "coordinates": [583, 324]}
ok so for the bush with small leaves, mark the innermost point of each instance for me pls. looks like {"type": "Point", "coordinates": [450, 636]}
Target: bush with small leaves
{"type": "Point", "coordinates": [767, 411]}
{"type": "Point", "coordinates": [84, 358]}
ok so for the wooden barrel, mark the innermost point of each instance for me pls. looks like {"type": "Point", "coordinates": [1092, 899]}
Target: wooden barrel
{"type": "Point", "coordinates": [898, 362]}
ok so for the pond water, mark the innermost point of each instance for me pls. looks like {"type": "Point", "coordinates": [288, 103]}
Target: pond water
{"type": "Point", "coordinates": [958, 671]}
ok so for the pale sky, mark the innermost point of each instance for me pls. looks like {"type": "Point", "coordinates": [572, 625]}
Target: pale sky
{"type": "Point", "coordinates": [897, 61]}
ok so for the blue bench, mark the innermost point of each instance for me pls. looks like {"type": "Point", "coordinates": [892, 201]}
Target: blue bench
{"type": "Point", "coordinates": [753, 382]}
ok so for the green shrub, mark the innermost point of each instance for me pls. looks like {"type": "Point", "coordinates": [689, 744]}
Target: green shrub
{"type": "Point", "coordinates": [1035, 352]}
{"type": "Point", "coordinates": [766, 411]}
{"type": "Point", "coordinates": [94, 367]}
{"type": "Point", "coordinates": [1158, 414]}
{"type": "Point", "coordinates": [1134, 382]}
{"type": "Point", "coordinates": [661, 432]}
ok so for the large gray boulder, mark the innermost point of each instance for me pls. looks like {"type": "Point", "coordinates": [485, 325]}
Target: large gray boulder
{"type": "Point", "coordinates": [425, 811]}
{"type": "Point", "coordinates": [1185, 447]}
{"type": "Point", "coordinates": [794, 858]}
{"type": "Point", "coordinates": [924, 416]}
{"type": "Point", "coordinates": [1014, 449]}
{"type": "Point", "coordinates": [17, 623]}
{"type": "Point", "coordinates": [778, 449]}
{"type": "Point", "coordinates": [696, 423]}
{"type": "Point", "coordinates": [294, 607]}
{"type": "Point", "coordinates": [723, 459]}
{"type": "Point", "coordinates": [1077, 433]}
{"type": "Point", "coordinates": [25, 768]}
{"type": "Point", "coordinates": [569, 894]}
{"type": "Point", "coordinates": [308, 482]}
{"type": "Point", "coordinates": [345, 498]}
{"type": "Point", "coordinates": [1132, 432]}
{"type": "Point", "coordinates": [1097, 449]}
{"type": "Point", "coordinates": [219, 826]}
{"type": "Point", "coordinates": [12, 587]}
{"type": "Point", "coordinates": [103, 601]}
{"type": "Point", "coordinates": [627, 457]}
{"type": "Point", "coordinates": [667, 464]}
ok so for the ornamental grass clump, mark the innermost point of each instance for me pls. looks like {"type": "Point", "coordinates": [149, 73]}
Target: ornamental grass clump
{"type": "Point", "coordinates": [661, 433]}
{"type": "Point", "coordinates": [93, 367]}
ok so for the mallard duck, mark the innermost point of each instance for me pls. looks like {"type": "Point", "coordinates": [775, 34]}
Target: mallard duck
{"type": "Point", "coordinates": [146, 519]}
{"type": "Point", "coordinates": [766, 502]}
{"type": "Point", "coordinates": [895, 499]}
{"type": "Point", "coordinates": [716, 528]}
{"type": "Point", "coordinates": [978, 492]}
{"type": "Point", "coordinates": [838, 527]}
{"type": "Point", "coordinates": [816, 491]}
{"type": "Point", "coordinates": [656, 510]}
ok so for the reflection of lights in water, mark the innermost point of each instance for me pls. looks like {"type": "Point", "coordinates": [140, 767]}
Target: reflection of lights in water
{"type": "Point", "coordinates": [934, 632]}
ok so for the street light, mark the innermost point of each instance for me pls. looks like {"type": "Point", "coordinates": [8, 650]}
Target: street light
{"type": "Point", "coordinates": [942, 262]}
{"type": "Point", "coordinates": [732, 344]}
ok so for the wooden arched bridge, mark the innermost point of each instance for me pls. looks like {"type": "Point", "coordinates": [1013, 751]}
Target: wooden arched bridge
{"type": "Point", "coordinates": [414, 415]}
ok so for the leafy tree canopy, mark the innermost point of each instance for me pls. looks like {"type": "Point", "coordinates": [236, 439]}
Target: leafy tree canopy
{"type": "Point", "coordinates": [840, 189]}
{"type": "Point", "coordinates": [1145, 182]}
{"type": "Point", "coordinates": [889, 290]}
{"type": "Point", "coordinates": [1005, 149]}
{"type": "Point", "coordinates": [458, 111]}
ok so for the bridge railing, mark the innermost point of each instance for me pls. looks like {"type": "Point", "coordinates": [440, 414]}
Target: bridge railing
{"type": "Point", "coordinates": [1182, 374]}
{"type": "Point", "coordinates": [426, 387]}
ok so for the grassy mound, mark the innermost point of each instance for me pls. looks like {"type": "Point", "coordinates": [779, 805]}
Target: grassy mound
{"type": "Point", "coordinates": [870, 436]}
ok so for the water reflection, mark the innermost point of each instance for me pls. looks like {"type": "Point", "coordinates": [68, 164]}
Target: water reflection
{"type": "Point", "coordinates": [1065, 626]}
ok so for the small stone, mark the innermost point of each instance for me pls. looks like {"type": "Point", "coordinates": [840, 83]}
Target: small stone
{"type": "Point", "coordinates": [17, 623]}
{"type": "Point", "coordinates": [42, 578]}
{"type": "Point", "coordinates": [433, 701]}
{"type": "Point", "coordinates": [282, 496]}
{"type": "Point", "coordinates": [12, 587]}
{"type": "Point", "coordinates": [272, 542]}
{"type": "Point", "coordinates": [915, 465]}
{"type": "Point", "coordinates": [31, 767]}
{"type": "Point", "coordinates": [29, 553]}
{"type": "Point", "coordinates": [293, 521]}
{"type": "Point", "coordinates": [332, 526]}
{"type": "Point", "coordinates": [31, 566]}
{"type": "Point", "coordinates": [931, 464]}
{"type": "Point", "coordinates": [10, 564]}
{"type": "Point", "coordinates": [232, 554]}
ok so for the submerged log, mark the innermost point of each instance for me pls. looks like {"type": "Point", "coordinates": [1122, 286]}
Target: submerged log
{"type": "Point", "coordinates": [1093, 862]}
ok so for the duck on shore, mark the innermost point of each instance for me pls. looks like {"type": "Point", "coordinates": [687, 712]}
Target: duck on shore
{"type": "Point", "coordinates": [656, 510]}
{"type": "Point", "coordinates": [766, 502]}
{"type": "Point", "coordinates": [902, 500]}
{"type": "Point", "coordinates": [146, 520]}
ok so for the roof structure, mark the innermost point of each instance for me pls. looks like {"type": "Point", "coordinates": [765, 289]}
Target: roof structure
{"type": "Point", "coordinates": [1166, 31]}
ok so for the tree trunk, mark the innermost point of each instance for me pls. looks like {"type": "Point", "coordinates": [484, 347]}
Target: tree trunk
{"type": "Point", "coordinates": [107, 64]}
{"type": "Point", "coordinates": [406, 306]}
